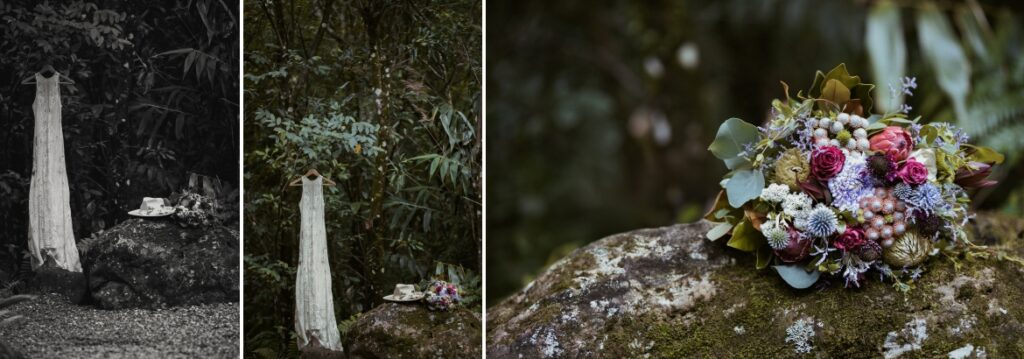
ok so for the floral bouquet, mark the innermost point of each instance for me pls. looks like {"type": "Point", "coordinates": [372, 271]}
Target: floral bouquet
{"type": "Point", "coordinates": [195, 210]}
{"type": "Point", "coordinates": [826, 187]}
{"type": "Point", "coordinates": [442, 296]}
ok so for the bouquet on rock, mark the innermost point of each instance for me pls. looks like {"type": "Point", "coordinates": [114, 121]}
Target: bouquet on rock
{"type": "Point", "coordinates": [442, 296]}
{"type": "Point", "coordinates": [826, 187]}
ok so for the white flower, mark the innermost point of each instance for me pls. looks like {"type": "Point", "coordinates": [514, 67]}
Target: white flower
{"type": "Point", "coordinates": [795, 204]}
{"type": "Point", "coordinates": [775, 193]}
{"type": "Point", "coordinates": [927, 157]}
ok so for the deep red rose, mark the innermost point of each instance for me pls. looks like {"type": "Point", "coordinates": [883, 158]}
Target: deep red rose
{"type": "Point", "coordinates": [851, 239]}
{"type": "Point", "coordinates": [826, 162]}
{"type": "Point", "coordinates": [894, 140]}
{"type": "Point", "coordinates": [913, 172]}
{"type": "Point", "coordinates": [796, 250]}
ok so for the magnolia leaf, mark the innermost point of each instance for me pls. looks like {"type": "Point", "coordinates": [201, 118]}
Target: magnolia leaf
{"type": "Point", "coordinates": [836, 92]}
{"type": "Point", "coordinates": [942, 49]}
{"type": "Point", "coordinates": [984, 154]}
{"type": "Point", "coordinates": [743, 186]}
{"type": "Point", "coordinates": [764, 256]}
{"type": "Point", "coordinates": [887, 51]}
{"type": "Point", "coordinates": [718, 231]}
{"type": "Point", "coordinates": [732, 135]}
{"type": "Point", "coordinates": [745, 238]}
{"type": "Point", "coordinates": [796, 276]}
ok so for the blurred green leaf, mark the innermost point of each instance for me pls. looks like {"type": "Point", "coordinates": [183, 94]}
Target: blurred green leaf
{"type": "Point", "coordinates": [743, 186]}
{"type": "Point", "coordinates": [942, 49]}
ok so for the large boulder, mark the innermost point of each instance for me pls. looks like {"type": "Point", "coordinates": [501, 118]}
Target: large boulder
{"type": "Point", "coordinates": [154, 263]}
{"type": "Point", "coordinates": [394, 330]}
{"type": "Point", "coordinates": [670, 293]}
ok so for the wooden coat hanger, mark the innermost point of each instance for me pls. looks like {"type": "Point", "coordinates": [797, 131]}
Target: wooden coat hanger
{"type": "Point", "coordinates": [48, 69]}
{"type": "Point", "coordinates": [311, 172]}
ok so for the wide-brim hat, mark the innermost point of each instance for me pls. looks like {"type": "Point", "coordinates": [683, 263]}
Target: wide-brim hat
{"type": "Point", "coordinates": [152, 207]}
{"type": "Point", "coordinates": [404, 293]}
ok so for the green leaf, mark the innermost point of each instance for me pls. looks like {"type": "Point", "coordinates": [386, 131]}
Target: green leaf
{"type": "Point", "coordinates": [744, 185]}
{"type": "Point", "coordinates": [985, 154]}
{"type": "Point", "coordinates": [764, 256]}
{"type": "Point", "coordinates": [745, 237]}
{"type": "Point", "coordinates": [718, 231]}
{"type": "Point", "coordinates": [942, 49]}
{"type": "Point", "coordinates": [836, 92]}
{"type": "Point", "coordinates": [887, 51]}
{"type": "Point", "coordinates": [796, 276]}
{"type": "Point", "coordinates": [728, 144]}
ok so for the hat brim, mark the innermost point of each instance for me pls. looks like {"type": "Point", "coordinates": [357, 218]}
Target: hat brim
{"type": "Point", "coordinates": [405, 298]}
{"type": "Point", "coordinates": [160, 212]}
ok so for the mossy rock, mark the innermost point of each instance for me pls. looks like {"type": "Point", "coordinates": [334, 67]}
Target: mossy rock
{"type": "Point", "coordinates": [670, 293]}
{"type": "Point", "coordinates": [409, 330]}
{"type": "Point", "coordinates": [156, 263]}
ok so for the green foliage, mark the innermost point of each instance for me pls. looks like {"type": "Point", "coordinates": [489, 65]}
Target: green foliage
{"type": "Point", "coordinates": [745, 237]}
{"type": "Point", "coordinates": [384, 99]}
{"type": "Point", "coordinates": [887, 51]}
{"type": "Point", "coordinates": [134, 126]}
{"type": "Point", "coordinates": [744, 185]}
{"type": "Point", "coordinates": [728, 145]}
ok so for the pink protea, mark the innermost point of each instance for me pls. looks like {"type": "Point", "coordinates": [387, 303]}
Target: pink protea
{"type": "Point", "coordinates": [893, 140]}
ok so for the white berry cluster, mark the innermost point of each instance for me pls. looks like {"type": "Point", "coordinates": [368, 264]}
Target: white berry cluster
{"type": "Point", "coordinates": [845, 131]}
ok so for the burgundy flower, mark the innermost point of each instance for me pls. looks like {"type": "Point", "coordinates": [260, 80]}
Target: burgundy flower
{"type": "Point", "coordinates": [814, 188]}
{"type": "Point", "coordinates": [796, 250]}
{"type": "Point", "coordinates": [851, 239]}
{"type": "Point", "coordinates": [913, 172]}
{"type": "Point", "coordinates": [870, 251]}
{"type": "Point", "coordinates": [826, 162]}
{"type": "Point", "coordinates": [968, 178]}
{"type": "Point", "coordinates": [894, 140]}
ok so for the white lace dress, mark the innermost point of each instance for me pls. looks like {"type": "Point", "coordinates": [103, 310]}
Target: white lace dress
{"type": "Point", "coordinates": [50, 234]}
{"type": "Point", "coordinates": [314, 303]}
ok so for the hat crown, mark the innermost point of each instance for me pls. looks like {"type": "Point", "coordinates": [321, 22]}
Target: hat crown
{"type": "Point", "coordinates": [403, 290]}
{"type": "Point", "coordinates": [150, 203]}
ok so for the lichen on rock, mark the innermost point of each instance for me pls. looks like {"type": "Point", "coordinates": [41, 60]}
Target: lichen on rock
{"type": "Point", "coordinates": [409, 330]}
{"type": "Point", "coordinates": [668, 292]}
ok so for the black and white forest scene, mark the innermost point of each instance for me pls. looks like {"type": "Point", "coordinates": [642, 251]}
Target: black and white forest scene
{"type": "Point", "coordinates": [119, 179]}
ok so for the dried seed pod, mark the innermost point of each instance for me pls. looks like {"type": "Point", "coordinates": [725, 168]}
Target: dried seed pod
{"type": "Point", "coordinates": [910, 249]}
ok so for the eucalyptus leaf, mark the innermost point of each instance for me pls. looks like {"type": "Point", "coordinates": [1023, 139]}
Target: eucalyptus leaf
{"type": "Point", "coordinates": [887, 51]}
{"type": "Point", "coordinates": [796, 276]}
{"type": "Point", "coordinates": [728, 144]}
{"type": "Point", "coordinates": [743, 186]}
{"type": "Point", "coordinates": [718, 231]}
{"type": "Point", "coordinates": [942, 49]}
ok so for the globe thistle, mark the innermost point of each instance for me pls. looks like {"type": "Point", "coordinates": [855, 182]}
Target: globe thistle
{"type": "Point", "coordinates": [903, 191]}
{"type": "Point", "coordinates": [791, 168]}
{"type": "Point", "coordinates": [775, 193]}
{"type": "Point", "coordinates": [926, 198]}
{"type": "Point", "coordinates": [778, 238]}
{"type": "Point", "coordinates": [822, 222]}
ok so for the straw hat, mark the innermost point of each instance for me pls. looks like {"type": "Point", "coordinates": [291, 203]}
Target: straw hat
{"type": "Point", "coordinates": [152, 207]}
{"type": "Point", "coordinates": [404, 293]}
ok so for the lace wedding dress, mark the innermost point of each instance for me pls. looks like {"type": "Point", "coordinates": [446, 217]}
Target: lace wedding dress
{"type": "Point", "coordinates": [314, 303]}
{"type": "Point", "coordinates": [50, 234]}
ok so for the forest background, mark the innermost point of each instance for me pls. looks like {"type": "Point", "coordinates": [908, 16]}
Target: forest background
{"type": "Point", "coordinates": [383, 97]}
{"type": "Point", "coordinates": [599, 117]}
{"type": "Point", "coordinates": [153, 109]}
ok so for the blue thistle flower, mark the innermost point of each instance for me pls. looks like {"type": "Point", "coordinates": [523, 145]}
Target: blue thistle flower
{"type": "Point", "coordinates": [926, 198]}
{"type": "Point", "coordinates": [821, 222]}
{"type": "Point", "coordinates": [902, 191]}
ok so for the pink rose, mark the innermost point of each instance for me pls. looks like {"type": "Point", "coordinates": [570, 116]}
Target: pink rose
{"type": "Point", "coordinates": [894, 140]}
{"type": "Point", "coordinates": [913, 172]}
{"type": "Point", "coordinates": [853, 238]}
{"type": "Point", "coordinates": [796, 249]}
{"type": "Point", "coordinates": [826, 162]}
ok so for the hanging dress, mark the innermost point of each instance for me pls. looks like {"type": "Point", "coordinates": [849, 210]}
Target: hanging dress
{"type": "Point", "coordinates": [314, 303]}
{"type": "Point", "coordinates": [50, 234]}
